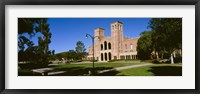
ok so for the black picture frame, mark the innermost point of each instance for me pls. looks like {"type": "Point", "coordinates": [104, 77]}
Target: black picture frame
{"type": "Point", "coordinates": [3, 3]}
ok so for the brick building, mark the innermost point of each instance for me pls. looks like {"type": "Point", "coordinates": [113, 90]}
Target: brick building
{"type": "Point", "coordinates": [114, 47]}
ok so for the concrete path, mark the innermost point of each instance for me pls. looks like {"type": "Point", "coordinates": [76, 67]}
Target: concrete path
{"type": "Point", "coordinates": [126, 67]}
{"type": "Point", "coordinates": [48, 71]}
{"type": "Point", "coordinates": [54, 73]}
{"type": "Point", "coordinates": [87, 62]}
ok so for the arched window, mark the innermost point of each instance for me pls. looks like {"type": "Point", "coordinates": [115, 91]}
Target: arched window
{"type": "Point", "coordinates": [105, 45]}
{"type": "Point", "coordinates": [109, 56]}
{"type": "Point", "coordinates": [131, 46]}
{"type": "Point", "coordinates": [105, 56]}
{"type": "Point", "coordinates": [101, 46]}
{"type": "Point", "coordinates": [109, 45]}
{"type": "Point", "coordinates": [101, 56]}
{"type": "Point", "coordinates": [112, 27]}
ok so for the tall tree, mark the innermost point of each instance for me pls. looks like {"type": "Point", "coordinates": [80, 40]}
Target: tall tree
{"type": "Point", "coordinates": [80, 49]}
{"type": "Point", "coordinates": [144, 45]}
{"type": "Point", "coordinates": [72, 54]}
{"type": "Point", "coordinates": [45, 40]}
{"type": "Point", "coordinates": [31, 26]}
{"type": "Point", "coordinates": [168, 34]}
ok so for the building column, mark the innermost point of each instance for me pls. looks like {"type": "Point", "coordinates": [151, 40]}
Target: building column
{"type": "Point", "coordinates": [108, 56]}
{"type": "Point", "coordinates": [104, 59]}
{"type": "Point", "coordinates": [107, 46]}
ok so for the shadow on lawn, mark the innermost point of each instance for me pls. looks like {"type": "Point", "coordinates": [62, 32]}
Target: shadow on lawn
{"type": "Point", "coordinates": [73, 71]}
{"type": "Point", "coordinates": [80, 71]}
{"type": "Point", "coordinates": [166, 70]}
{"type": "Point", "coordinates": [109, 73]}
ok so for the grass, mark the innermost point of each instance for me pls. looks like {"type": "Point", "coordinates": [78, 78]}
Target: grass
{"type": "Point", "coordinates": [27, 72]}
{"type": "Point", "coordinates": [96, 65]}
{"type": "Point", "coordinates": [154, 70]}
{"type": "Point", "coordinates": [74, 69]}
{"type": "Point", "coordinates": [83, 69]}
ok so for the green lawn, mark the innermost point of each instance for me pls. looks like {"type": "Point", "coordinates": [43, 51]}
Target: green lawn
{"type": "Point", "coordinates": [96, 65]}
{"type": "Point", "coordinates": [83, 69]}
{"type": "Point", "coordinates": [77, 69]}
{"type": "Point", "coordinates": [154, 70]}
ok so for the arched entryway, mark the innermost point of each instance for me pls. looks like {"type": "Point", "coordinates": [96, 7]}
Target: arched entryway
{"type": "Point", "coordinates": [109, 56]}
{"type": "Point", "coordinates": [105, 56]}
{"type": "Point", "coordinates": [101, 56]}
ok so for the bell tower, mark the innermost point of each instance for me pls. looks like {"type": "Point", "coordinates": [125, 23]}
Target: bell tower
{"type": "Point", "coordinates": [99, 35]}
{"type": "Point", "coordinates": [99, 32]}
{"type": "Point", "coordinates": [117, 38]}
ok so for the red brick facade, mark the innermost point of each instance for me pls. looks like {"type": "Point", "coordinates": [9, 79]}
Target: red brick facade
{"type": "Point", "coordinates": [114, 47]}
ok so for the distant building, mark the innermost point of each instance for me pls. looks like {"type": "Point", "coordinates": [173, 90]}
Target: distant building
{"type": "Point", "coordinates": [114, 47]}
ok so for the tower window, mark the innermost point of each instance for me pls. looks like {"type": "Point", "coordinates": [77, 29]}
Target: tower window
{"type": "Point", "coordinates": [101, 46]}
{"type": "Point", "coordinates": [105, 45]}
{"type": "Point", "coordinates": [109, 45]}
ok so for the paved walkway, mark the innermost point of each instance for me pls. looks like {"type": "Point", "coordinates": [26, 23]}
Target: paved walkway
{"type": "Point", "coordinates": [50, 71]}
{"type": "Point", "coordinates": [86, 62]}
{"type": "Point", "coordinates": [126, 67]}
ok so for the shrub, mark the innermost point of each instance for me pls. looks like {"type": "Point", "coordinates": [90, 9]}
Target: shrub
{"type": "Point", "coordinates": [156, 62]}
{"type": "Point", "coordinates": [149, 61]}
{"type": "Point", "coordinates": [111, 60]}
{"type": "Point", "coordinates": [94, 60]}
{"type": "Point", "coordinates": [178, 60]}
{"type": "Point", "coordinates": [122, 60]}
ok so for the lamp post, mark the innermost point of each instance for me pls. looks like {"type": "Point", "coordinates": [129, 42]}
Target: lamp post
{"type": "Point", "coordinates": [92, 49]}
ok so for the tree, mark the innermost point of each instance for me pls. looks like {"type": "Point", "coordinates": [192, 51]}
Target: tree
{"type": "Point", "coordinates": [31, 26]}
{"type": "Point", "coordinates": [80, 47]}
{"type": "Point", "coordinates": [144, 45]}
{"type": "Point", "coordinates": [72, 54]}
{"type": "Point", "coordinates": [80, 50]}
{"type": "Point", "coordinates": [45, 40]}
{"type": "Point", "coordinates": [168, 34]}
{"type": "Point", "coordinates": [26, 25]}
{"type": "Point", "coordinates": [68, 55]}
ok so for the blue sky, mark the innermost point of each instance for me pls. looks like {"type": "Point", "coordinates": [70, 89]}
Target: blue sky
{"type": "Point", "coordinates": [67, 31]}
